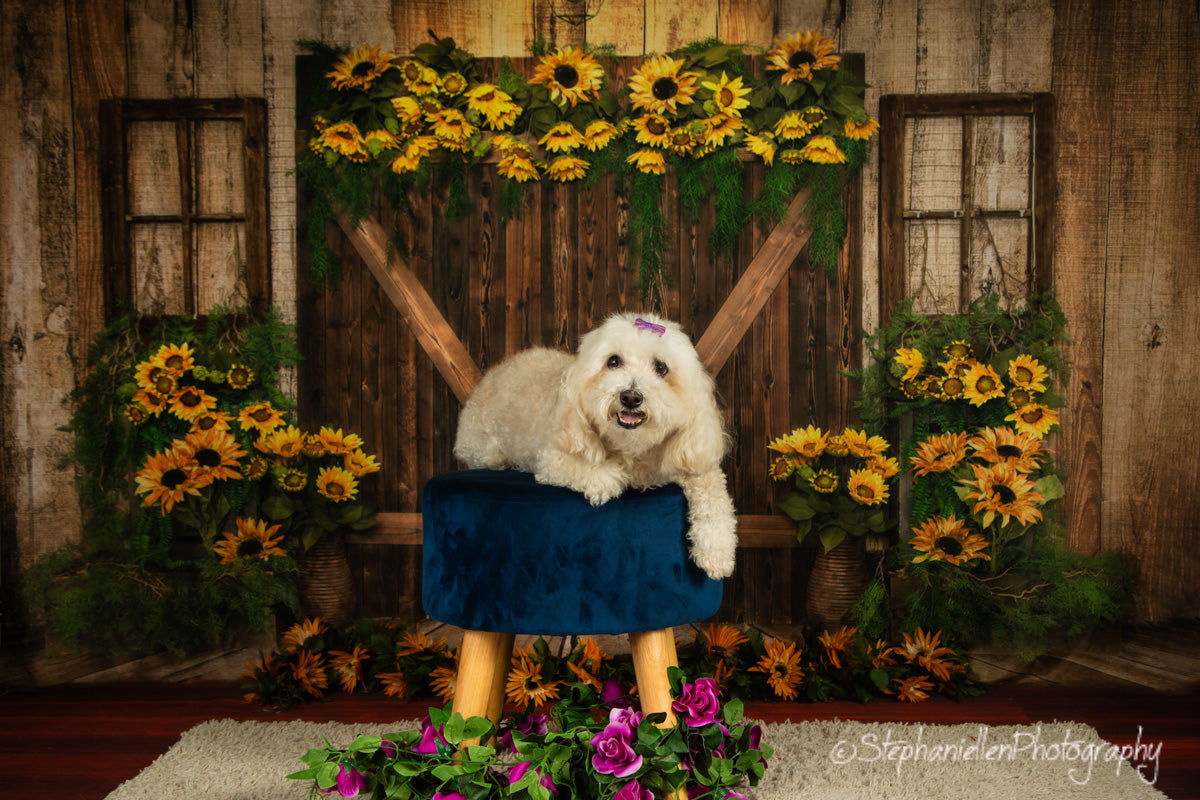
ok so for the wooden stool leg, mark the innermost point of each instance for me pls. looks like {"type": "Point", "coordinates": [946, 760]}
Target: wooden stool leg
{"type": "Point", "coordinates": [653, 652]}
{"type": "Point", "coordinates": [483, 663]}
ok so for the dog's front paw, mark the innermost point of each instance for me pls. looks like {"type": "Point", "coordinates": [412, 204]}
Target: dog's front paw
{"type": "Point", "coordinates": [603, 484]}
{"type": "Point", "coordinates": [714, 546]}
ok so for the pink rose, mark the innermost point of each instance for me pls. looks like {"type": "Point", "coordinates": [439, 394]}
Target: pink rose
{"type": "Point", "coordinates": [614, 752]}
{"type": "Point", "coordinates": [698, 702]}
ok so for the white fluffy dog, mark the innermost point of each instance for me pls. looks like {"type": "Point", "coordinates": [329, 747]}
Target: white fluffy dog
{"type": "Point", "coordinates": [634, 408]}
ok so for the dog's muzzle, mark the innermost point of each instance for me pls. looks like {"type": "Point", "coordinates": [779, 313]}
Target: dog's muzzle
{"type": "Point", "coordinates": [630, 414]}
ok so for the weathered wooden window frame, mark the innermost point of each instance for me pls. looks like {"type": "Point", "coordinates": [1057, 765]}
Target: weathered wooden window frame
{"type": "Point", "coordinates": [895, 113]}
{"type": "Point", "coordinates": [115, 118]}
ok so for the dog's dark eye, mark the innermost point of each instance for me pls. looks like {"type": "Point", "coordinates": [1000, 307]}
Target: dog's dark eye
{"type": "Point", "coordinates": [660, 369]}
{"type": "Point", "coordinates": [614, 362]}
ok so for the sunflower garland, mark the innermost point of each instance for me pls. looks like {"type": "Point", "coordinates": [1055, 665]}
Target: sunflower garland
{"type": "Point", "coordinates": [389, 119]}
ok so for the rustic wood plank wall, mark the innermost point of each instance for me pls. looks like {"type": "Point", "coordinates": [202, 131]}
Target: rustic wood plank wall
{"type": "Point", "coordinates": [1126, 204]}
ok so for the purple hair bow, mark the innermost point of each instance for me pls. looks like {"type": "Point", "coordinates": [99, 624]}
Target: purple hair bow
{"type": "Point", "coordinates": [642, 325]}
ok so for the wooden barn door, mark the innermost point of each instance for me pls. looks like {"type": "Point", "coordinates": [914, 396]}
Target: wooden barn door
{"type": "Point", "coordinates": [776, 330]}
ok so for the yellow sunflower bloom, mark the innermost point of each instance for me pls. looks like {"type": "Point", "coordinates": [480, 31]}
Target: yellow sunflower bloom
{"type": "Point", "coordinates": [345, 139]}
{"type": "Point", "coordinates": [212, 421]}
{"type": "Point", "coordinates": [862, 445]}
{"type": "Point", "coordinates": [338, 443]}
{"type": "Point", "coordinates": [420, 79]}
{"type": "Point", "coordinates": [174, 358]}
{"type": "Point", "coordinates": [566, 168]}
{"type": "Point", "coordinates": [781, 663]}
{"type": "Point", "coordinates": [1001, 491]}
{"type": "Point", "coordinates": [569, 74]}
{"type": "Point", "coordinates": [658, 87]}
{"type": "Point", "coordinates": [825, 481]}
{"type": "Point", "coordinates": [720, 128]}
{"type": "Point", "coordinates": [452, 84]}
{"type": "Point", "coordinates": [408, 110]}
{"type": "Point", "coordinates": [361, 67]}
{"type": "Point", "coordinates": [761, 145]}
{"type": "Point", "coordinates": [951, 387]}
{"type": "Point", "coordinates": [783, 467]}
{"type": "Point", "coordinates": [300, 633]}
{"type": "Point", "coordinates": [347, 667]}
{"type": "Point", "coordinates": [729, 96]}
{"type": "Point", "coordinates": [166, 478]}
{"type": "Point", "coordinates": [806, 443]}
{"type": "Point", "coordinates": [292, 479]}
{"type": "Point", "coordinates": [912, 361]}
{"type": "Point", "coordinates": [835, 643]}
{"type": "Point", "coordinates": [958, 350]}
{"type": "Point", "coordinates": [526, 684]}
{"type": "Point", "coordinates": [147, 372]}
{"type": "Point", "coordinates": [136, 413]}
{"type": "Point", "coordinates": [948, 539]}
{"type": "Point", "coordinates": [1026, 372]}
{"type": "Point", "coordinates": [886, 466]}
{"type": "Point", "coordinates": [252, 539]}
{"type": "Point", "coordinates": [336, 484]}
{"type": "Point", "coordinates": [450, 125]}
{"type": "Point", "coordinates": [599, 134]}
{"type": "Point", "coordinates": [792, 126]}
{"type": "Point", "coordinates": [867, 487]}
{"type": "Point", "coordinates": [836, 445]}
{"type": "Point", "coordinates": [1003, 445]}
{"type": "Point", "coordinates": [261, 417]}
{"type": "Point", "coordinates": [800, 55]}
{"type": "Point", "coordinates": [379, 140]}
{"type": "Point", "coordinates": [255, 468]}
{"type": "Point", "coordinates": [981, 384]}
{"type": "Point", "coordinates": [653, 130]}
{"type": "Point", "coordinates": [155, 404]}
{"type": "Point", "coordinates": [359, 463]}
{"type": "Point", "coordinates": [517, 167]}
{"type": "Point", "coordinates": [939, 453]}
{"type": "Point", "coordinates": [216, 455]}
{"type": "Point", "coordinates": [239, 376]}
{"type": "Point", "coordinates": [1034, 419]}
{"type": "Point", "coordinates": [860, 130]}
{"type": "Point", "coordinates": [192, 402]}
{"type": "Point", "coordinates": [488, 100]}
{"type": "Point", "coordinates": [562, 138]}
{"type": "Point", "coordinates": [1018, 397]}
{"type": "Point", "coordinates": [822, 150]}
{"type": "Point", "coordinates": [309, 673]}
{"type": "Point", "coordinates": [285, 443]}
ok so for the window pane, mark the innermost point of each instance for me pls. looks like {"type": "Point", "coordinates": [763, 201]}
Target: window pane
{"type": "Point", "coordinates": [220, 265]}
{"type": "Point", "coordinates": [157, 265]}
{"type": "Point", "coordinates": [999, 259]}
{"type": "Point", "coordinates": [1002, 162]}
{"type": "Point", "coordinates": [153, 169]}
{"type": "Point", "coordinates": [220, 184]}
{"type": "Point", "coordinates": [933, 164]}
{"type": "Point", "coordinates": [933, 265]}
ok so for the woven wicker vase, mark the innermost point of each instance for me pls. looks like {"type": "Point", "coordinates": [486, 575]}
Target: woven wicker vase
{"type": "Point", "coordinates": [835, 584]}
{"type": "Point", "coordinates": [327, 585]}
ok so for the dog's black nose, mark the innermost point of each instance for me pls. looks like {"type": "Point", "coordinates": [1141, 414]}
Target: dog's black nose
{"type": "Point", "coordinates": [631, 398]}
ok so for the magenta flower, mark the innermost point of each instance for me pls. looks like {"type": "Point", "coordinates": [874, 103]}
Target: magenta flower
{"type": "Point", "coordinates": [611, 694]}
{"type": "Point", "coordinates": [450, 796]}
{"type": "Point", "coordinates": [633, 791]}
{"type": "Point", "coordinates": [614, 752]}
{"type": "Point", "coordinates": [388, 748]}
{"type": "Point", "coordinates": [520, 768]}
{"type": "Point", "coordinates": [698, 702]}
{"type": "Point", "coordinates": [627, 717]}
{"type": "Point", "coordinates": [350, 782]}
{"type": "Point", "coordinates": [535, 724]}
{"type": "Point", "coordinates": [432, 742]}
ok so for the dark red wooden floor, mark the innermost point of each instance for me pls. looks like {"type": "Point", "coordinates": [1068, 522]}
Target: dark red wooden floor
{"type": "Point", "coordinates": [80, 741]}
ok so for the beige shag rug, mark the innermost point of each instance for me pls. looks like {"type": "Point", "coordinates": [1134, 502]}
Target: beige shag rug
{"type": "Point", "coordinates": [823, 760]}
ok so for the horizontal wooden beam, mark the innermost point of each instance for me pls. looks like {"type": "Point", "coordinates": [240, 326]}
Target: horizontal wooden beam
{"type": "Point", "coordinates": [404, 528]}
{"type": "Point", "coordinates": [416, 307]}
{"type": "Point", "coordinates": [772, 261]}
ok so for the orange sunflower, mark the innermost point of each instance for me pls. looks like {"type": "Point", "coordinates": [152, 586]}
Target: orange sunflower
{"type": "Point", "coordinates": [801, 54]}
{"type": "Point", "coordinates": [658, 87]}
{"type": "Point", "coordinates": [252, 539]}
{"type": "Point", "coordinates": [526, 684]}
{"type": "Point", "coordinates": [175, 358]}
{"type": "Point", "coordinates": [836, 643]}
{"type": "Point", "coordinates": [926, 650]}
{"type": "Point", "coordinates": [299, 634]}
{"type": "Point", "coordinates": [867, 487]}
{"type": "Point", "coordinates": [1001, 491]}
{"type": "Point", "coordinates": [569, 74]}
{"type": "Point", "coordinates": [1034, 419]}
{"type": "Point", "coordinates": [939, 453]}
{"type": "Point", "coordinates": [348, 666]}
{"type": "Point", "coordinates": [191, 402]}
{"type": "Point", "coordinates": [216, 454]}
{"type": "Point", "coordinates": [361, 67]}
{"type": "Point", "coordinates": [261, 417]}
{"type": "Point", "coordinates": [948, 539]}
{"type": "Point", "coordinates": [166, 478]}
{"type": "Point", "coordinates": [1003, 445]}
{"type": "Point", "coordinates": [781, 663]}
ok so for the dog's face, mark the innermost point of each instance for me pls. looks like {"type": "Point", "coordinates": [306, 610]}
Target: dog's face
{"type": "Point", "coordinates": [638, 381]}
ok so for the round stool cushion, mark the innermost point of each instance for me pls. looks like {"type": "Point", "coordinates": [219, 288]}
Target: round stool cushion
{"type": "Point", "coordinates": [506, 554]}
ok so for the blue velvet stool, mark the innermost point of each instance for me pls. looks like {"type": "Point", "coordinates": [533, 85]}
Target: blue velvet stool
{"type": "Point", "coordinates": [504, 555]}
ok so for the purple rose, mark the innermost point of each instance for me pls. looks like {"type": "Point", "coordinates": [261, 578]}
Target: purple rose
{"type": "Point", "coordinates": [432, 742]}
{"type": "Point", "coordinates": [520, 768]}
{"type": "Point", "coordinates": [614, 752]}
{"type": "Point", "coordinates": [633, 791]}
{"type": "Point", "coordinates": [611, 694]}
{"type": "Point", "coordinates": [627, 717]}
{"type": "Point", "coordinates": [350, 781]}
{"type": "Point", "coordinates": [535, 724]}
{"type": "Point", "coordinates": [698, 702]}
{"type": "Point", "coordinates": [450, 796]}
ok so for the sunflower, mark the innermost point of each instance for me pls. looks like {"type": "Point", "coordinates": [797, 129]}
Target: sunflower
{"type": "Point", "coordinates": [298, 635]}
{"type": "Point", "coordinates": [359, 463]}
{"type": "Point", "coordinates": [824, 481]}
{"type": "Point", "coordinates": [336, 484]}
{"type": "Point", "coordinates": [722, 640]}
{"type": "Point", "coordinates": [414, 643]}
{"type": "Point", "coordinates": [658, 87]}
{"type": "Point", "coordinates": [939, 453]}
{"type": "Point", "coordinates": [285, 443]}
{"type": "Point", "coordinates": [162, 382]}
{"type": "Point", "coordinates": [213, 421]}
{"type": "Point", "coordinates": [394, 683]}
{"type": "Point", "coordinates": [948, 539]}
{"type": "Point", "coordinates": [791, 156]}
{"type": "Point", "coordinates": [761, 145]}
{"type": "Point", "coordinates": [860, 130]}
{"type": "Point", "coordinates": [1026, 372]}
{"type": "Point", "coordinates": [1034, 419]}
{"type": "Point", "coordinates": [599, 134]}
{"type": "Point", "coordinates": [175, 358]}
{"type": "Point", "coordinates": [292, 479]}
{"type": "Point", "coordinates": [451, 125]}
{"type": "Point", "coordinates": [216, 455]}
{"type": "Point", "coordinates": [526, 684]}
{"type": "Point", "coordinates": [146, 372]}
{"type": "Point", "coordinates": [653, 130]}
{"type": "Point", "coordinates": [1019, 397]}
{"type": "Point", "coordinates": [566, 168]}
{"type": "Point", "coordinates": [562, 138]}
{"type": "Point", "coordinates": [950, 387]}
{"type": "Point", "coordinates": [569, 74]}
{"type": "Point", "coordinates": [912, 690]}
{"type": "Point", "coordinates": [981, 384]}
{"type": "Point", "coordinates": [822, 150]}
{"type": "Point", "coordinates": [835, 643]}
{"type": "Point", "coordinates": [166, 478]}
{"type": "Point", "coordinates": [781, 663]}
{"type": "Point", "coordinates": [681, 141]}
{"type": "Point", "coordinates": [1003, 445]}
{"type": "Point", "coordinates": [408, 110]}
{"type": "Point", "coordinates": [252, 539]}
{"type": "Point", "coordinates": [863, 446]}
{"type": "Point", "coordinates": [348, 666]}
{"type": "Point", "coordinates": [309, 673]}
{"type": "Point", "coordinates": [927, 651]}
{"type": "Point", "coordinates": [720, 128]}
{"type": "Point", "coordinates": [444, 682]}
{"type": "Point", "coordinates": [867, 487]}
{"type": "Point", "coordinates": [804, 443]}
{"type": "Point", "coordinates": [136, 413]}
{"type": "Point", "coordinates": [192, 402]}
{"type": "Point", "coordinates": [344, 139]}
{"type": "Point", "coordinates": [887, 466]}
{"type": "Point", "coordinates": [783, 467]}
{"type": "Point", "coordinates": [379, 140]}
{"type": "Point", "coordinates": [255, 468]}
{"type": "Point", "coordinates": [912, 362]}
{"type": "Point", "coordinates": [489, 101]}
{"type": "Point", "coordinates": [361, 67]}
{"type": "Point", "coordinates": [1001, 491]}
{"type": "Point", "coordinates": [420, 79]}
{"type": "Point", "coordinates": [800, 54]}
{"type": "Point", "coordinates": [836, 445]}
{"type": "Point", "coordinates": [730, 96]}
{"type": "Point", "coordinates": [261, 417]}
{"type": "Point", "coordinates": [792, 125]}
{"type": "Point", "coordinates": [452, 84]}
{"type": "Point", "coordinates": [404, 163]}
{"type": "Point", "coordinates": [517, 167]}
{"type": "Point", "coordinates": [957, 350]}
{"type": "Point", "coordinates": [338, 443]}
{"type": "Point", "coordinates": [420, 147]}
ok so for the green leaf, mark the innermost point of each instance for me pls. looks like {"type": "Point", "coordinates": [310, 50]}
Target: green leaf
{"type": "Point", "coordinates": [880, 678]}
{"type": "Point", "coordinates": [276, 507]}
{"type": "Point", "coordinates": [797, 507]}
{"type": "Point", "coordinates": [453, 730]}
{"type": "Point", "coordinates": [802, 529]}
{"type": "Point", "coordinates": [733, 711]}
{"type": "Point", "coordinates": [365, 744]}
{"type": "Point", "coordinates": [831, 536]}
{"type": "Point", "coordinates": [476, 728]}
{"type": "Point", "coordinates": [1049, 487]}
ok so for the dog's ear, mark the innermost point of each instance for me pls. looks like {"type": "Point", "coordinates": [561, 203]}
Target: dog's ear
{"type": "Point", "coordinates": [699, 445]}
{"type": "Point", "coordinates": [574, 432]}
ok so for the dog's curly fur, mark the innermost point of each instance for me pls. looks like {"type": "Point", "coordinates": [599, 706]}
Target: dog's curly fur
{"type": "Point", "coordinates": [632, 409]}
